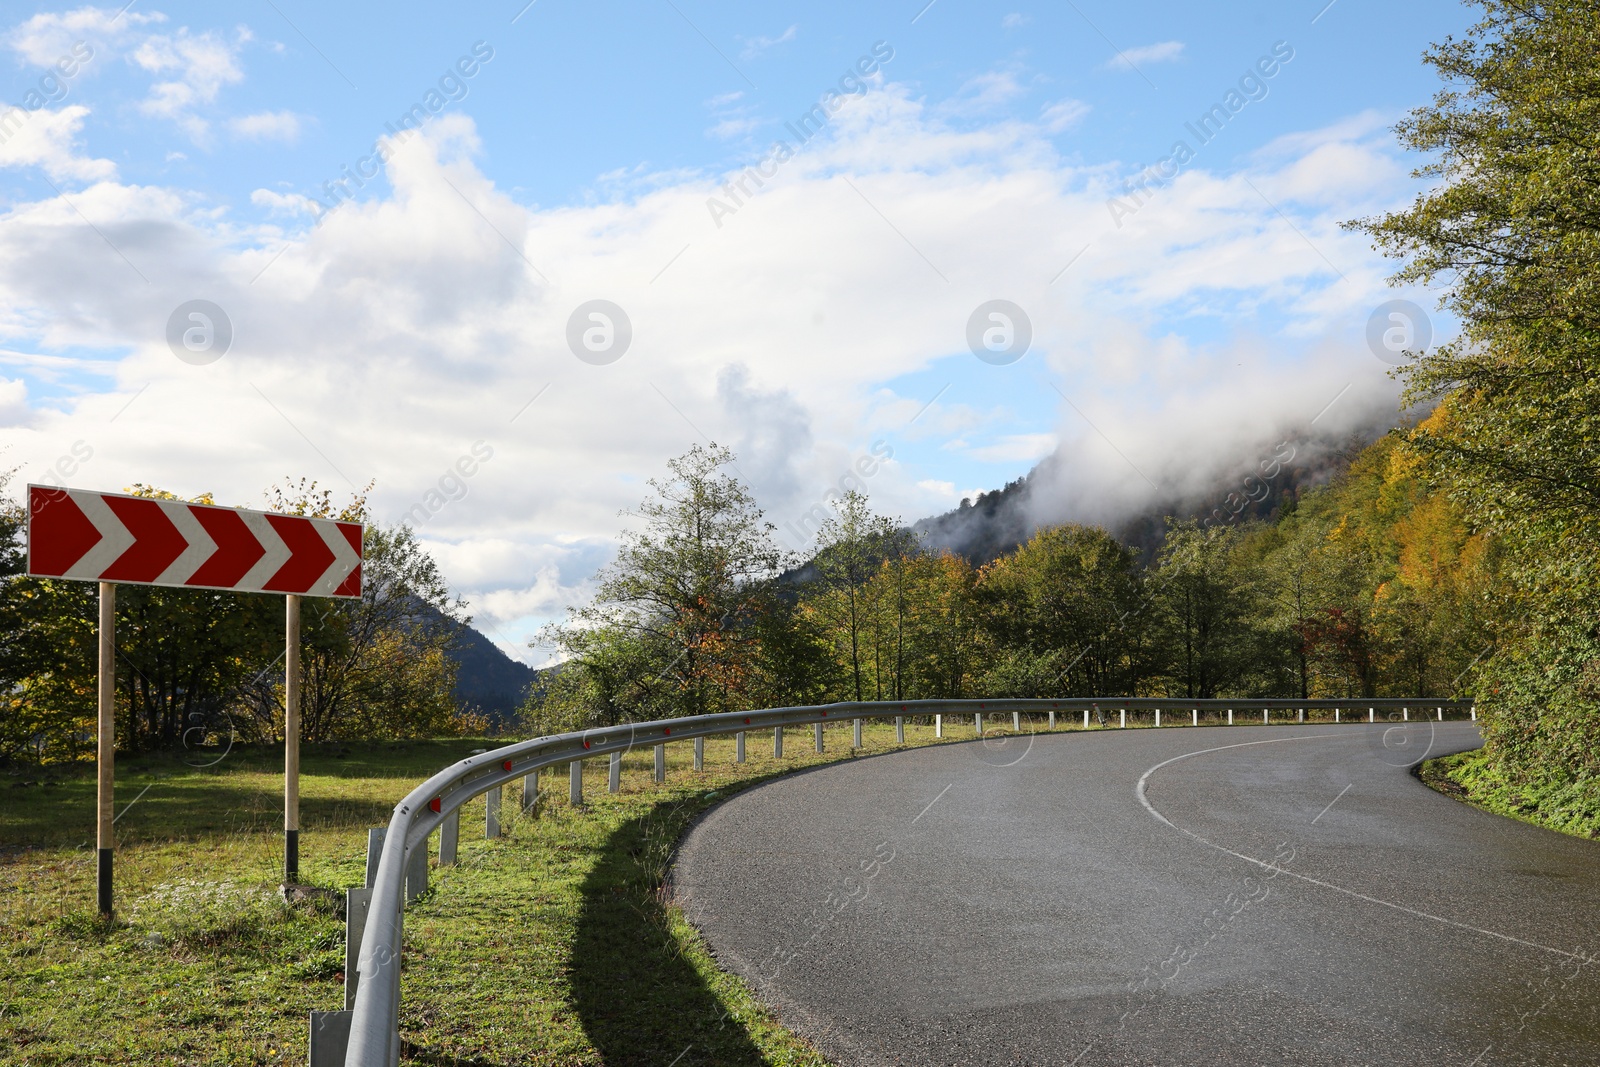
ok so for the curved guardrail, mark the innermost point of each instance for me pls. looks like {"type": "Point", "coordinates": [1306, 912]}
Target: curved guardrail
{"type": "Point", "coordinates": [374, 1035]}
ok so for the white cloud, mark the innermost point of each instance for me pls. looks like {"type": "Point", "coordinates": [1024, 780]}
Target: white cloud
{"type": "Point", "coordinates": [1144, 55]}
{"type": "Point", "coordinates": [985, 92]}
{"type": "Point", "coordinates": [754, 46]}
{"type": "Point", "coordinates": [45, 38]}
{"type": "Point", "coordinates": [284, 204]}
{"type": "Point", "coordinates": [199, 65]}
{"type": "Point", "coordinates": [1016, 447]}
{"type": "Point", "coordinates": [406, 327]}
{"type": "Point", "coordinates": [14, 409]}
{"type": "Point", "coordinates": [47, 139]}
{"type": "Point", "coordinates": [729, 128]}
{"type": "Point", "coordinates": [1063, 115]}
{"type": "Point", "coordinates": [1014, 21]}
{"type": "Point", "coordinates": [267, 126]}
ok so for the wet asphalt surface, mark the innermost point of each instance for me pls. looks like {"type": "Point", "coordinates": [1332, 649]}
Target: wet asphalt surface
{"type": "Point", "coordinates": [1018, 903]}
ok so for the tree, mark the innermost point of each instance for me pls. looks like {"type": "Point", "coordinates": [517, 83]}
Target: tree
{"type": "Point", "coordinates": [377, 666]}
{"type": "Point", "coordinates": [202, 661]}
{"type": "Point", "coordinates": [1509, 229]}
{"type": "Point", "coordinates": [938, 647]}
{"type": "Point", "coordinates": [1067, 611]}
{"type": "Point", "coordinates": [671, 629]}
{"type": "Point", "coordinates": [853, 546]}
{"type": "Point", "coordinates": [1208, 608]}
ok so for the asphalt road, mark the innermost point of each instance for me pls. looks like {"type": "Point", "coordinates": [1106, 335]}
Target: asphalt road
{"type": "Point", "coordinates": [1267, 895]}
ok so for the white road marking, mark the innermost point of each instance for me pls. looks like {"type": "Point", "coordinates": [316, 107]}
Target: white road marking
{"type": "Point", "coordinates": [1139, 791]}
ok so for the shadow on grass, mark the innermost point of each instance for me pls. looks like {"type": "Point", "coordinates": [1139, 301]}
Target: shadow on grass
{"type": "Point", "coordinates": [640, 1001]}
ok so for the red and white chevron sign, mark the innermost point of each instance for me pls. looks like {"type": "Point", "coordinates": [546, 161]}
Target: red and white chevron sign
{"type": "Point", "coordinates": [109, 537]}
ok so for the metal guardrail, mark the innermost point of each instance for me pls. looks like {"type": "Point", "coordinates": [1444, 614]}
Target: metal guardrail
{"type": "Point", "coordinates": [372, 1026]}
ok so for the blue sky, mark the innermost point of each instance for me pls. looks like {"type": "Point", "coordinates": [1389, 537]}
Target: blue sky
{"type": "Point", "coordinates": [167, 153]}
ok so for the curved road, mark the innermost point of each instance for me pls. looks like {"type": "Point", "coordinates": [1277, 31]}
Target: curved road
{"type": "Point", "coordinates": [1178, 896]}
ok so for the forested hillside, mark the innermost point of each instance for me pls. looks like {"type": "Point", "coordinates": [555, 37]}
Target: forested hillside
{"type": "Point", "coordinates": [1370, 585]}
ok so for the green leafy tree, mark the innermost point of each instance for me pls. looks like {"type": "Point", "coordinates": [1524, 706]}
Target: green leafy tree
{"type": "Point", "coordinates": [1067, 613]}
{"type": "Point", "coordinates": [1208, 608]}
{"type": "Point", "coordinates": [864, 616]}
{"type": "Point", "coordinates": [672, 628]}
{"type": "Point", "coordinates": [1509, 230]}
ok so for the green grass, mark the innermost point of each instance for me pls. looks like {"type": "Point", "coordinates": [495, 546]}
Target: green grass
{"type": "Point", "coordinates": [1567, 806]}
{"type": "Point", "coordinates": [552, 945]}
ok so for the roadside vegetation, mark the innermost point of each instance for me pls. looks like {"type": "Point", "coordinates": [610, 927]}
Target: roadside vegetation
{"type": "Point", "coordinates": [552, 945]}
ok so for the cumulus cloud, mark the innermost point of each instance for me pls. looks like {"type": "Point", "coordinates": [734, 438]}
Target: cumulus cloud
{"type": "Point", "coordinates": [14, 409]}
{"type": "Point", "coordinates": [48, 139]}
{"type": "Point", "coordinates": [45, 38]}
{"type": "Point", "coordinates": [196, 67]}
{"type": "Point", "coordinates": [386, 340]}
{"type": "Point", "coordinates": [284, 204]}
{"type": "Point", "coordinates": [281, 126]}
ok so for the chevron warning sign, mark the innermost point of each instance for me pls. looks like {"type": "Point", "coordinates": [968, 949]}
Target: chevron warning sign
{"type": "Point", "coordinates": [109, 537]}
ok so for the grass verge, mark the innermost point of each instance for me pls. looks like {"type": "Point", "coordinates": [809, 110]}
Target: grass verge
{"type": "Point", "coordinates": [1569, 807]}
{"type": "Point", "coordinates": [552, 945]}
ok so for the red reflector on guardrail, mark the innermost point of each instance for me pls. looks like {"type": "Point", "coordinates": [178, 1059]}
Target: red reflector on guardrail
{"type": "Point", "coordinates": [436, 803]}
{"type": "Point", "coordinates": [506, 765]}
{"type": "Point", "coordinates": [666, 729]}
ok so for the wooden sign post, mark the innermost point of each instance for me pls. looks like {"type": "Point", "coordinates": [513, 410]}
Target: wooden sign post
{"type": "Point", "coordinates": [115, 539]}
{"type": "Point", "coordinates": [107, 752]}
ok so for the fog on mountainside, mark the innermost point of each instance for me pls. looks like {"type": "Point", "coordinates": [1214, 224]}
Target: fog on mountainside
{"type": "Point", "coordinates": [1059, 490]}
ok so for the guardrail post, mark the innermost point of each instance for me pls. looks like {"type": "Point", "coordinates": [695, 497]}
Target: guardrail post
{"type": "Point", "coordinates": [1052, 720]}
{"type": "Point", "coordinates": [1265, 712]}
{"type": "Point", "coordinates": [738, 747]}
{"type": "Point", "coordinates": [899, 729]}
{"type": "Point", "coordinates": [1372, 714]}
{"type": "Point", "coordinates": [417, 871]}
{"type": "Point", "coordinates": [1196, 720]}
{"type": "Point", "coordinates": [1085, 718]}
{"type": "Point", "coordinates": [329, 1038]}
{"type": "Point", "coordinates": [530, 793]}
{"type": "Point", "coordinates": [1336, 715]}
{"type": "Point", "coordinates": [374, 851]}
{"type": "Point", "coordinates": [1016, 721]}
{"type": "Point", "coordinates": [1302, 714]}
{"type": "Point", "coordinates": [1230, 716]}
{"type": "Point", "coordinates": [938, 726]}
{"type": "Point", "coordinates": [356, 901]}
{"type": "Point", "coordinates": [818, 732]}
{"type": "Point", "coordinates": [449, 837]}
{"type": "Point", "coordinates": [858, 734]}
{"type": "Point", "coordinates": [661, 762]}
{"type": "Point", "coordinates": [777, 742]}
{"type": "Point", "coordinates": [575, 780]}
{"type": "Point", "coordinates": [1474, 713]}
{"type": "Point", "coordinates": [699, 753]}
{"type": "Point", "coordinates": [1123, 723]}
{"type": "Point", "coordinates": [614, 784]}
{"type": "Point", "coordinates": [1441, 714]}
{"type": "Point", "coordinates": [1405, 715]}
{"type": "Point", "coordinates": [491, 813]}
{"type": "Point", "coordinates": [977, 723]}
{"type": "Point", "coordinates": [1158, 716]}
